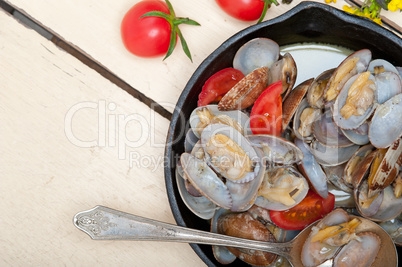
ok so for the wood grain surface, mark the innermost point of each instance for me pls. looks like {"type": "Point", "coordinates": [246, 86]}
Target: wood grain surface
{"type": "Point", "coordinates": [53, 166]}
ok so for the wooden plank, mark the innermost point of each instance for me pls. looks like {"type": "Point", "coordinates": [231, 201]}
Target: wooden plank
{"type": "Point", "coordinates": [65, 149]}
{"type": "Point", "coordinates": [94, 27]}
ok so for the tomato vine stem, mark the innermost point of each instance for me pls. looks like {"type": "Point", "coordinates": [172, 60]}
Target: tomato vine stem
{"type": "Point", "coordinates": [267, 4]}
{"type": "Point", "coordinates": [174, 25]}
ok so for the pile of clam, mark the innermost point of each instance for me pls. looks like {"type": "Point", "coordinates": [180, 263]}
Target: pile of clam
{"type": "Point", "coordinates": [340, 133]}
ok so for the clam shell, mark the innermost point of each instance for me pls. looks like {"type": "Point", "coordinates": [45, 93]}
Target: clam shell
{"type": "Point", "coordinates": [244, 194]}
{"type": "Point", "coordinates": [313, 254]}
{"type": "Point", "coordinates": [281, 151]}
{"type": "Point", "coordinates": [237, 137]}
{"type": "Point", "coordinates": [246, 91]}
{"type": "Point", "coordinates": [335, 178]}
{"type": "Point", "coordinates": [390, 208]}
{"type": "Point", "coordinates": [310, 168]}
{"type": "Point", "coordinates": [392, 227]}
{"type": "Point", "coordinates": [221, 254]}
{"type": "Point", "coordinates": [361, 169]}
{"type": "Point", "coordinates": [368, 212]}
{"type": "Point", "coordinates": [332, 156]}
{"type": "Point", "coordinates": [205, 180]}
{"type": "Point", "coordinates": [315, 93]}
{"type": "Point", "coordinates": [353, 121]}
{"type": "Point", "coordinates": [243, 225]}
{"type": "Point", "coordinates": [292, 102]}
{"type": "Point", "coordinates": [399, 69]}
{"type": "Point", "coordinates": [385, 127]}
{"type": "Point", "coordinates": [273, 205]}
{"type": "Point", "coordinates": [362, 153]}
{"type": "Point", "coordinates": [296, 121]}
{"type": "Point", "coordinates": [327, 132]}
{"type": "Point", "coordinates": [284, 70]}
{"type": "Point", "coordinates": [342, 199]}
{"type": "Point", "coordinates": [389, 167]}
{"type": "Point", "coordinates": [190, 141]}
{"type": "Point", "coordinates": [242, 118]}
{"type": "Point", "coordinates": [388, 85]}
{"type": "Point", "coordinates": [361, 251]}
{"type": "Point", "coordinates": [200, 206]}
{"type": "Point", "coordinates": [381, 63]}
{"type": "Point", "coordinates": [256, 53]}
{"type": "Point", "coordinates": [362, 129]}
{"type": "Point", "coordinates": [354, 137]}
{"type": "Point", "coordinates": [364, 58]}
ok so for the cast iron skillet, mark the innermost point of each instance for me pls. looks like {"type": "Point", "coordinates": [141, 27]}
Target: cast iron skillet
{"type": "Point", "coordinates": [307, 22]}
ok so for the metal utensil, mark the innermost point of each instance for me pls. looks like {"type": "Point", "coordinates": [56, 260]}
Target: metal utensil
{"type": "Point", "coordinates": [108, 224]}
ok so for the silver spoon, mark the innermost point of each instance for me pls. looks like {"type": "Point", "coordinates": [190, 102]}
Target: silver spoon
{"type": "Point", "coordinates": [109, 224]}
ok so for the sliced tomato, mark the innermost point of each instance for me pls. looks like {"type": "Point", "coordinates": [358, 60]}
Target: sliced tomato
{"type": "Point", "coordinates": [218, 85]}
{"type": "Point", "coordinates": [266, 114]}
{"type": "Point", "coordinates": [310, 209]}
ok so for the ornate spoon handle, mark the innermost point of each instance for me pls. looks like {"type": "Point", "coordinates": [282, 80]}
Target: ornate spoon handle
{"type": "Point", "coordinates": [105, 223]}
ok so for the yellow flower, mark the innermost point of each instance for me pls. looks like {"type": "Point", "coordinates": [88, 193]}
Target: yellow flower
{"type": "Point", "coordinates": [349, 9]}
{"type": "Point", "coordinates": [329, 1]}
{"type": "Point", "coordinates": [363, 13]}
{"type": "Point", "coordinates": [394, 5]}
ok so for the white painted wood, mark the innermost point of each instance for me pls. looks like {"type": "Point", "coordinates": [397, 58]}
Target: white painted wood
{"type": "Point", "coordinates": [94, 26]}
{"type": "Point", "coordinates": [46, 176]}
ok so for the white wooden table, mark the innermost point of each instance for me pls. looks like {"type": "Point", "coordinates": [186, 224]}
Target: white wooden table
{"type": "Point", "coordinates": [73, 129]}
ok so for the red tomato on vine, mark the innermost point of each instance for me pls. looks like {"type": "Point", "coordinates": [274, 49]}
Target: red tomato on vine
{"type": "Point", "coordinates": [150, 29]}
{"type": "Point", "coordinates": [247, 10]}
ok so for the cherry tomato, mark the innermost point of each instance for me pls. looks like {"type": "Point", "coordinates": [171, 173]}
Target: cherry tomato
{"type": "Point", "coordinates": [148, 36]}
{"type": "Point", "coordinates": [218, 85]}
{"type": "Point", "coordinates": [266, 114]}
{"type": "Point", "coordinates": [310, 209]}
{"type": "Point", "coordinates": [150, 29]}
{"type": "Point", "coordinates": [247, 10]}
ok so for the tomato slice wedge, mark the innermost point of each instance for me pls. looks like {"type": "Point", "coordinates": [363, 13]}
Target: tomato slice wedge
{"type": "Point", "coordinates": [310, 209]}
{"type": "Point", "coordinates": [266, 114]}
{"type": "Point", "coordinates": [218, 85]}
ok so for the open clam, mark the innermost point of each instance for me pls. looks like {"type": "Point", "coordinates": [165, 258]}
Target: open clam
{"type": "Point", "coordinates": [347, 240]}
{"type": "Point", "coordinates": [200, 206]}
{"type": "Point", "coordinates": [229, 153]}
{"type": "Point", "coordinates": [206, 181]}
{"type": "Point", "coordinates": [360, 251]}
{"type": "Point", "coordinates": [303, 120]}
{"type": "Point", "coordinates": [352, 65]}
{"type": "Point", "coordinates": [353, 165]}
{"type": "Point", "coordinates": [223, 153]}
{"type": "Point", "coordinates": [203, 116]}
{"type": "Point", "coordinates": [314, 252]}
{"type": "Point", "coordinates": [315, 94]}
{"type": "Point", "coordinates": [292, 101]}
{"type": "Point", "coordinates": [281, 189]}
{"type": "Point", "coordinates": [356, 102]}
{"type": "Point", "coordinates": [276, 150]}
